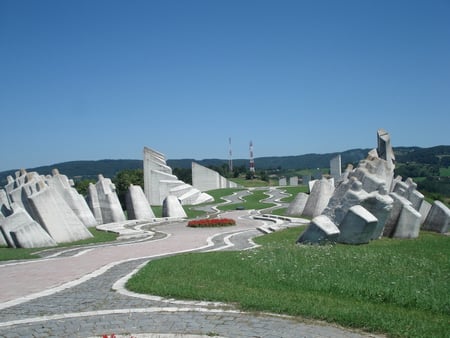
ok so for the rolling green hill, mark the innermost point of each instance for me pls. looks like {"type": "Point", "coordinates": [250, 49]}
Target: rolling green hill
{"type": "Point", "coordinates": [439, 155]}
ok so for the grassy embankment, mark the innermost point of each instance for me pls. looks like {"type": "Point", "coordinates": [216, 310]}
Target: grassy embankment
{"type": "Point", "coordinates": [398, 287]}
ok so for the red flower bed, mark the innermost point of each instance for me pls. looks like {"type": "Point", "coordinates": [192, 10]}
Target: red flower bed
{"type": "Point", "coordinates": [211, 222]}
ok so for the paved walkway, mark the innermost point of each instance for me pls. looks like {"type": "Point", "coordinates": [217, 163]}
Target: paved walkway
{"type": "Point", "coordinates": [80, 293]}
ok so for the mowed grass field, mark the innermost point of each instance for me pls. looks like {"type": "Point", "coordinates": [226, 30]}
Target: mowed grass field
{"type": "Point", "coordinates": [396, 287]}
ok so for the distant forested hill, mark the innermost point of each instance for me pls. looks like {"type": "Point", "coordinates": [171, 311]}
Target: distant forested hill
{"type": "Point", "coordinates": [439, 155]}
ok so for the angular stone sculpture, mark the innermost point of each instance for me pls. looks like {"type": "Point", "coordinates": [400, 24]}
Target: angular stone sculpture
{"type": "Point", "coordinates": [21, 231]}
{"type": "Point", "coordinates": [173, 208]}
{"type": "Point", "coordinates": [75, 201]}
{"type": "Point", "coordinates": [159, 182]}
{"type": "Point", "coordinates": [336, 167]}
{"type": "Point", "coordinates": [296, 207]}
{"type": "Point", "coordinates": [31, 194]}
{"type": "Point", "coordinates": [55, 216]}
{"type": "Point", "coordinates": [368, 202]}
{"type": "Point", "coordinates": [30, 236]}
{"type": "Point", "coordinates": [320, 230]}
{"type": "Point", "coordinates": [438, 219]}
{"type": "Point", "coordinates": [205, 179]}
{"type": "Point", "coordinates": [293, 181]}
{"type": "Point", "coordinates": [5, 208]}
{"type": "Point", "coordinates": [137, 204]}
{"type": "Point", "coordinates": [357, 227]}
{"type": "Point", "coordinates": [318, 198]}
{"type": "Point", "coordinates": [108, 201]}
{"type": "Point", "coordinates": [282, 182]}
{"type": "Point", "coordinates": [94, 204]}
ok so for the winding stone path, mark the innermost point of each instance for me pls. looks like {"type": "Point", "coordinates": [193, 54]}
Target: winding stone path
{"type": "Point", "coordinates": [80, 293]}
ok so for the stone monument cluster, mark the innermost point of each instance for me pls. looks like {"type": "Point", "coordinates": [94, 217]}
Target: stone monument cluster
{"type": "Point", "coordinates": [367, 202]}
{"type": "Point", "coordinates": [43, 211]}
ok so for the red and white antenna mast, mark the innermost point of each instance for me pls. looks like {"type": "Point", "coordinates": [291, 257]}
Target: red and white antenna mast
{"type": "Point", "coordinates": [252, 161]}
{"type": "Point", "coordinates": [230, 154]}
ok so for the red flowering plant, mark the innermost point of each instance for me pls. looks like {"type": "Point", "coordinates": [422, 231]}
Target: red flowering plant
{"type": "Point", "coordinates": [211, 222]}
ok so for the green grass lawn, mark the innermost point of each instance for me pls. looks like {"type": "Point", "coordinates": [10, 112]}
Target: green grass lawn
{"type": "Point", "coordinates": [251, 201]}
{"type": "Point", "coordinates": [249, 183]}
{"type": "Point", "coordinates": [444, 171]}
{"type": "Point", "coordinates": [7, 254]}
{"type": "Point", "coordinates": [397, 287]}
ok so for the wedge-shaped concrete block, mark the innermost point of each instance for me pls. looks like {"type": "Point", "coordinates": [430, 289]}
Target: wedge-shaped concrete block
{"type": "Point", "coordinates": [94, 204]}
{"type": "Point", "coordinates": [380, 206]}
{"type": "Point", "coordinates": [320, 230]}
{"type": "Point", "coordinates": [394, 215]}
{"type": "Point", "coordinates": [31, 236]}
{"type": "Point", "coordinates": [425, 208]}
{"type": "Point", "coordinates": [358, 226]}
{"type": "Point", "coordinates": [205, 179]}
{"type": "Point", "coordinates": [55, 216]}
{"type": "Point", "coordinates": [137, 204]}
{"type": "Point", "coordinates": [173, 208]}
{"type": "Point", "coordinates": [5, 208]}
{"type": "Point", "coordinates": [297, 205]}
{"type": "Point", "coordinates": [18, 223]}
{"type": "Point", "coordinates": [318, 198]}
{"type": "Point", "coordinates": [108, 200]}
{"type": "Point", "coordinates": [2, 237]}
{"type": "Point", "coordinates": [75, 201]}
{"type": "Point", "coordinates": [408, 224]}
{"type": "Point", "coordinates": [438, 218]}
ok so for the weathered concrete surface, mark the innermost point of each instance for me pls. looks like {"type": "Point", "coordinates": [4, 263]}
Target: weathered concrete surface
{"type": "Point", "coordinates": [159, 182]}
{"type": "Point", "coordinates": [320, 230]}
{"type": "Point", "coordinates": [31, 235]}
{"type": "Point", "coordinates": [94, 203]}
{"type": "Point", "coordinates": [336, 167]}
{"type": "Point", "coordinates": [205, 179]}
{"type": "Point", "coordinates": [408, 224]}
{"type": "Point", "coordinates": [20, 231]}
{"type": "Point", "coordinates": [55, 216]}
{"type": "Point", "coordinates": [108, 201]}
{"type": "Point", "coordinates": [137, 204]}
{"type": "Point", "coordinates": [75, 201]}
{"type": "Point", "coordinates": [438, 218]}
{"type": "Point", "coordinates": [293, 181]}
{"type": "Point", "coordinates": [357, 227]}
{"type": "Point", "coordinates": [5, 208]}
{"type": "Point", "coordinates": [173, 208]}
{"type": "Point", "coordinates": [318, 198]}
{"type": "Point", "coordinates": [297, 205]}
{"type": "Point", "coordinates": [380, 206]}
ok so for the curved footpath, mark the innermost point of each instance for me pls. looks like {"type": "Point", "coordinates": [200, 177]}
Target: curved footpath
{"type": "Point", "coordinates": [83, 295]}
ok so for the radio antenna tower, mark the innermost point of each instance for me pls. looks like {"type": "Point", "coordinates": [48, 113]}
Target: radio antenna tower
{"type": "Point", "coordinates": [252, 161]}
{"type": "Point", "coordinates": [230, 154]}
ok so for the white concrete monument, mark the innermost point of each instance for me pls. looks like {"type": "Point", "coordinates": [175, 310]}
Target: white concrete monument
{"type": "Point", "coordinates": [336, 167]}
{"type": "Point", "coordinates": [173, 208]}
{"type": "Point", "coordinates": [293, 181]}
{"type": "Point", "coordinates": [205, 179]}
{"type": "Point", "coordinates": [108, 201]}
{"type": "Point", "coordinates": [159, 182]}
{"type": "Point", "coordinates": [363, 207]}
{"type": "Point", "coordinates": [75, 201]}
{"type": "Point", "coordinates": [137, 204]}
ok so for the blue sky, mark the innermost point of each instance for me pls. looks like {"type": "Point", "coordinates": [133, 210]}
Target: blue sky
{"type": "Point", "coordinates": [88, 80]}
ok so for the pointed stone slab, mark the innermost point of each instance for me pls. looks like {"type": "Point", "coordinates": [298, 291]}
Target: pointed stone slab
{"type": "Point", "coordinates": [320, 230]}
{"type": "Point", "coordinates": [358, 226]}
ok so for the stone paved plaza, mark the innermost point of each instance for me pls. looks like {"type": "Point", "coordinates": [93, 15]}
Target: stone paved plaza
{"type": "Point", "coordinates": [80, 293]}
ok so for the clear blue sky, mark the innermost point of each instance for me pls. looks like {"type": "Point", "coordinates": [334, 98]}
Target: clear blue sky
{"type": "Point", "coordinates": [88, 80]}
